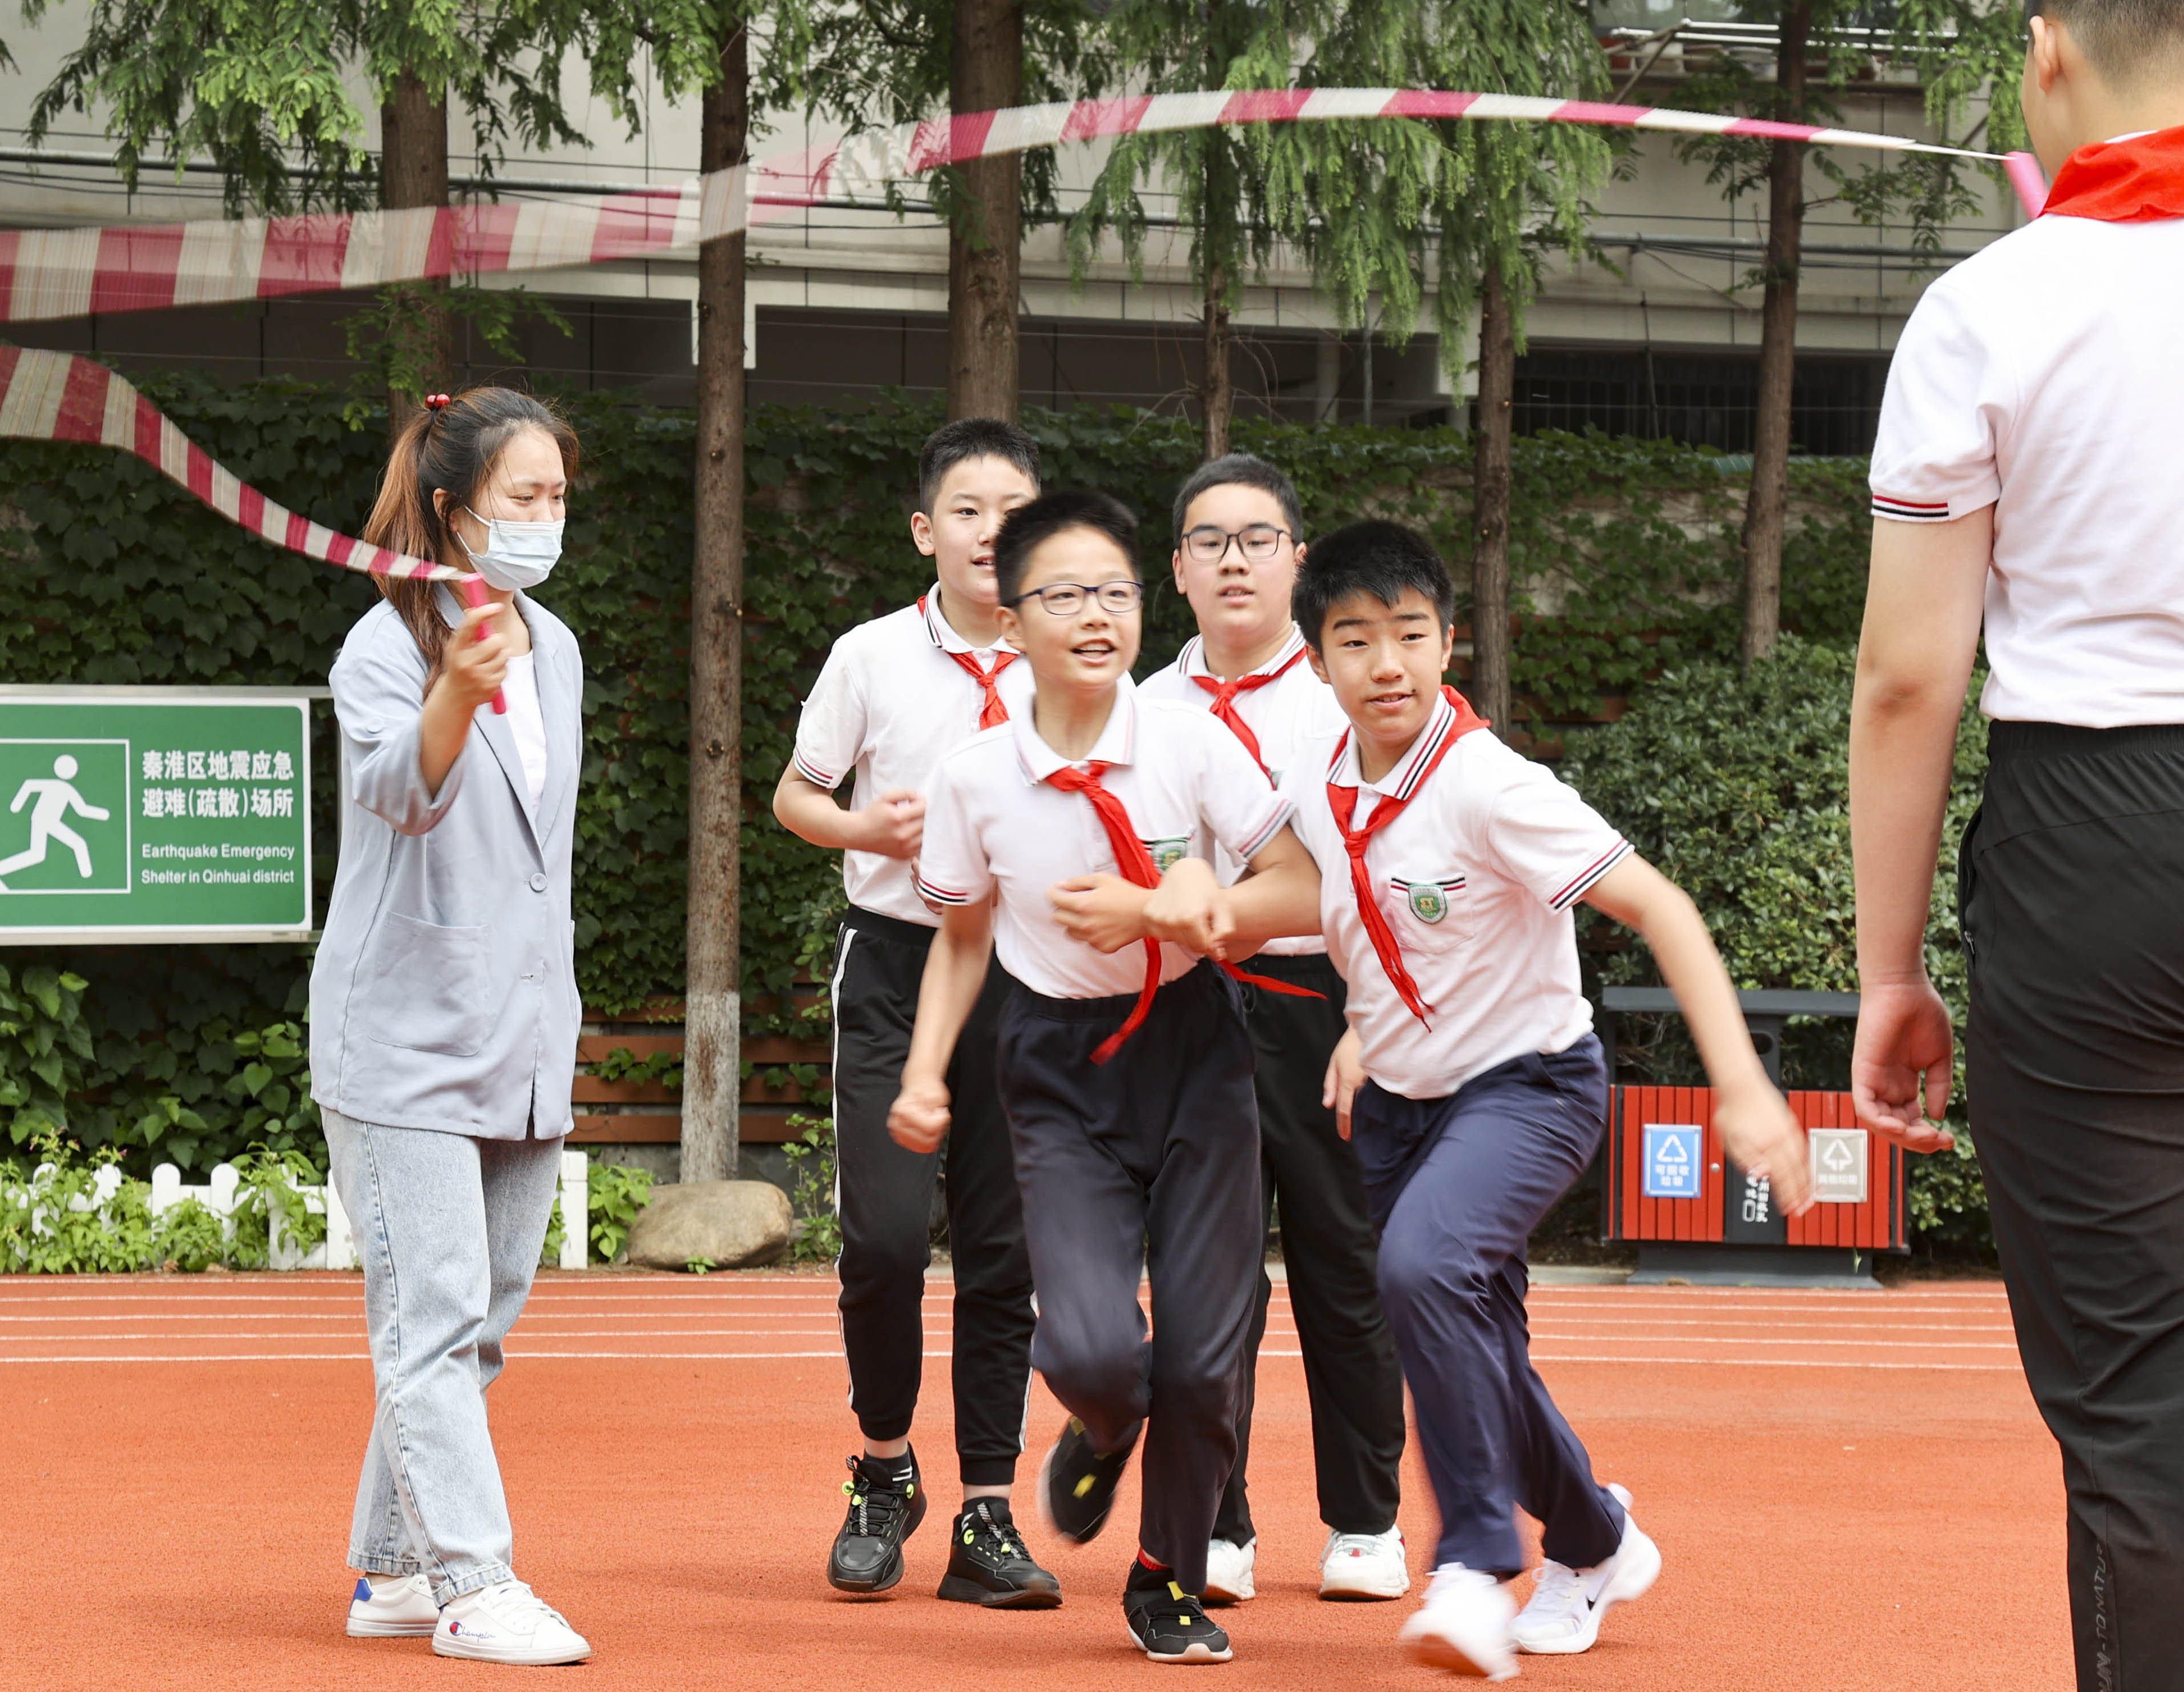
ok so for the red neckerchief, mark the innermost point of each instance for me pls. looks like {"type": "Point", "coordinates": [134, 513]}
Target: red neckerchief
{"type": "Point", "coordinates": [1343, 802]}
{"type": "Point", "coordinates": [1225, 700]}
{"type": "Point", "coordinates": [1137, 866]}
{"type": "Point", "coordinates": [2137, 181]}
{"type": "Point", "coordinates": [991, 710]}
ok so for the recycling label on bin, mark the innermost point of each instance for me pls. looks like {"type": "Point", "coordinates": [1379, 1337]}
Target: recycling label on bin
{"type": "Point", "coordinates": [1672, 1160]}
{"type": "Point", "coordinates": [1840, 1164]}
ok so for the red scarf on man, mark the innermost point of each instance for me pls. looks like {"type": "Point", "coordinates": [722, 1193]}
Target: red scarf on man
{"type": "Point", "coordinates": [1225, 700]}
{"type": "Point", "coordinates": [2139, 180]}
{"type": "Point", "coordinates": [1343, 802]}
{"type": "Point", "coordinates": [991, 710]}
{"type": "Point", "coordinates": [1137, 866]}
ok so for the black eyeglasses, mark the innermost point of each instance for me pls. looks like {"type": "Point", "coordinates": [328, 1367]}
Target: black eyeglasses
{"type": "Point", "coordinates": [1066, 598]}
{"type": "Point", "coordinates": [1257, 542]}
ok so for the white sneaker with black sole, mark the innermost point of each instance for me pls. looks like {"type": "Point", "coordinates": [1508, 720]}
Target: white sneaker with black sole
{"type": "Point", "coordinates": [1463, 1625]}
{"type": "Point", "coordinates": [1364, 1566]}
{"type": "Point", "coordinates": [1228, 1568]}
{"type": "Point", "coordinates": [507, 1622]}
{"type": "Point", "coordinates": [1569, 1605]}
{"type": "Point", "coordinates": [394, 1607]}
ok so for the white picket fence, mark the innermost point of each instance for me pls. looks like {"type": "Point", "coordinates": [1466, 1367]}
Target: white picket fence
{"type": "Point", "coordinates": [338, 1250]}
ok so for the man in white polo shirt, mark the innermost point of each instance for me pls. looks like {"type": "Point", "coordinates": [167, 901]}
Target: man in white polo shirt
{"type": "Point", "coordinates": [1237, 528]}
{"type": "Point", "coordinates": [1057, 840]}
{"type": "Point", "coordinates": [2028, 483]}
{"type": "Point", "coordinates": [1472, 1082]}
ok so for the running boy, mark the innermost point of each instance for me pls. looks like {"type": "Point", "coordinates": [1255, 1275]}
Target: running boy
{"type": "Point", "coordinates": [1238, 543]}
{"type": "Point", "coordinates": [895, 694]}
{"type": "Point", "coordinates": [1473, 1082]}
{"type": "Point", "coordinates": [1124, 1064]}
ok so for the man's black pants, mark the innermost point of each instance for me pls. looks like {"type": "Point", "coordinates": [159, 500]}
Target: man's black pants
{"type": "Point", "coordinates": [2072, 886]}
{"type": "Point", "coordinates": [1151, 1161]}
{"type": "Point", "coordinates": [883, 1195]}
{"type": "Point", "coordinates": [1351, 1376]}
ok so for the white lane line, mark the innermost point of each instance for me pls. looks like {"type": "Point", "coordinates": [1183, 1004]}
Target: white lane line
{"type": "Point", "coordinates": [1791, 1363]}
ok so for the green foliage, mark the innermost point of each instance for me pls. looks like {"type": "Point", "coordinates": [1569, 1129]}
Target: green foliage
{"type": "Point", "coordinates": [265, 1195]}
{"type": "Point", "coordinates": [817, 1236]}
{"type": "Point", "coordinates": [1736, 787]}
{"type": "Point", "coordinates": [618, 1193]}
{"type": "Point", "coordinates": [662, 1069]}
{"type": "Point", "coordinates": [44, 1045]}
{"type": "Point", "coordinates": [399, 336]}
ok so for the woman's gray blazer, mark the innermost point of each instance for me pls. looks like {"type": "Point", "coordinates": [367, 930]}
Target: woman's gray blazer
{"type": "Point", "coordinates": [444, 991]}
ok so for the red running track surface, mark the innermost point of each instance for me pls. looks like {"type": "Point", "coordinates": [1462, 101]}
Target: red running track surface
{"type": "Point", "coordinates": [1852, 1491]}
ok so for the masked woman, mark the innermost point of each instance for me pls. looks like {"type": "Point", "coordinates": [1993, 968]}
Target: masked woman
{"type": "Point", "coordinates": [444, 1003]}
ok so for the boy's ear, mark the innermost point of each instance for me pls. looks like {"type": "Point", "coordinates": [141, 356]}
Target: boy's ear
{"type": "Point", "coordinates": [921, 533]}
{"type": "Point", "coordinates": [1175, 566]}
{"type": "Point", "coordinates": [1319, 664]}
{"type": "Point", "coordinates": [1447, 647]}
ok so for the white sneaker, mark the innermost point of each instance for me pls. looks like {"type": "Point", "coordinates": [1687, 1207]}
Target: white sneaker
{"type": "Point", "coordinates": [1463, 1625]}
{"type": "Point", "coordinates": [1364, 1566]}
{"type": "Point", "coordinates": [1229, 1571]}
{"type": "Point", "coordinates": [395, 1606]}
{"type": "Point", "coordinates": [506, 1623]}
{"type": "Point", "coordinates": [1569, 1604]}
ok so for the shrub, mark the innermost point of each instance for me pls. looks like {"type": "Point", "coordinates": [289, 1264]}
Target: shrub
{"type": "Point", "coordinates": [1737, 788]}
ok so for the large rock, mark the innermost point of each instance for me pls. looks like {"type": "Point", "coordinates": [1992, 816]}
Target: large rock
{"type": "Point", "coordinates": [730, 1224]}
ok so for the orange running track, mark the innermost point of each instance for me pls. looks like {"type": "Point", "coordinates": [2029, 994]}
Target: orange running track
{"type": "Point", "coordinates": [1852, 1491]}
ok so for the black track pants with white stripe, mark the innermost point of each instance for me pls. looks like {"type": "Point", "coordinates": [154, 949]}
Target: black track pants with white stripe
{"type": "Point", "coordinates": [2072, 887]}
{"type": "Point", "coordinates": [884, 1199]}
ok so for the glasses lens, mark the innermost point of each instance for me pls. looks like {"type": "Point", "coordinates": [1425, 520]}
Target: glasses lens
{"type": "Point", "coordinates": [1260, 540]}
{"type": "Point", "coordinates": [1061, 602]}
{"type": "Point", "coordinates": [1205, 545]}
{"type": "Point", "coordinates": [1121, 596]}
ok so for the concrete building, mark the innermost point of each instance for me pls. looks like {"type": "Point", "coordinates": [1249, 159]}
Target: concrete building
{"type": "Point", "coordinates": [1656, 334]}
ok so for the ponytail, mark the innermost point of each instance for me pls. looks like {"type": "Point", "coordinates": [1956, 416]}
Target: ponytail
{"type": "Point", "coordinates": [452, 447]}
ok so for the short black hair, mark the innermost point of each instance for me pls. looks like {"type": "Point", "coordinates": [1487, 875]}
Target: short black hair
{"type": "Point", "coordinates": [1050, 515]}
{"type": "Point", "coordinates": [2127, 41]}
{"type": "Point", "coordinates": [972, 437]}
{"type": "Point", "coordinates": [1371, 557]}
{"type": "Point", "coordinates": [1240, 469]}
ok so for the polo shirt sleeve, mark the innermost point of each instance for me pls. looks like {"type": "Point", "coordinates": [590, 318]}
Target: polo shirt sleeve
{"type": "Point", "coordinates": [952, 867]}
{"type": "Point", "coordinates": [830, 735]}
{"type": "Point", "coordinates": [1243, 810]}
{"type": "Point", "coordinates": [1546, 838]}
{"type": "Point", "coordinates": [1950, 393]}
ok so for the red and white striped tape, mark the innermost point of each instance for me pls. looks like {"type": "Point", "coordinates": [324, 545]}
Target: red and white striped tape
{"type": "Point", "coordinates": [59, 272]}
{"type": "Point", "coordinates": [59, 397]}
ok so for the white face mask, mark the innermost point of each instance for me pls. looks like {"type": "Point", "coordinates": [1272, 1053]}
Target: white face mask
{"type": "Point", "coordinates": [517, 555]}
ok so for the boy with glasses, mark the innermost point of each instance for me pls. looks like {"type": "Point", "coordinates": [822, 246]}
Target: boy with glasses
{"type": "Point", "coordinates": [1238, 547]}
{"type": "Point", "coordinates": [1072, 840]}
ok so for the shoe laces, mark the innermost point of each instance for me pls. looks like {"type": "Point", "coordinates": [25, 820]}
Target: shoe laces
{"type": "Point", "coordinates": [873, 1509]}
{"type": "Point", "coordinates": [513, 1601]}
{"type": "Point", "coordinates": [1179, 1606]}
{"type": "Point", "coordinates": [1558, 1592]}
{"type": "Point", "coordinates": [1354, 1545]}
{"type": "Point", "coordinates": [997, 1539]}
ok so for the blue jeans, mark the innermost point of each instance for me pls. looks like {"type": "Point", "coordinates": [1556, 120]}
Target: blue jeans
{"type": "Point", "coordinates": [449, 1229]}
{"type": "Point", "coordinates": [1456, 1186]}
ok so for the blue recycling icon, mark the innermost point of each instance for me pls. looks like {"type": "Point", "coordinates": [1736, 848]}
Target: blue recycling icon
{"type": "Point", "coordinates": [1673, 1167]}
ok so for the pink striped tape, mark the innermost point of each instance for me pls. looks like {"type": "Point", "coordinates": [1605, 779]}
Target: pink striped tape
{"type": "Point", "coordinates": [59, 397]}
{"type": "Point", "coordinates": [59, 272]}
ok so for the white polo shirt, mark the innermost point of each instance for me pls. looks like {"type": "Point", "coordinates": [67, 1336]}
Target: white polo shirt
{"type": "Point", "coordinates": [1294, 711]}
{"type": "Point", "coordinates": [2041, 377]}
{"type": "Point", "coordinates": [888, 701]}
{"type": "Point", "coordinates": [1476, 879]}
{"type": "Point", "coordinates": [995, 826]}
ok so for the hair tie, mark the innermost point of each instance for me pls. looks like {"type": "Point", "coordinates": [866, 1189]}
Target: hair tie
{"type": "Point", "coordinates": [435, 402]}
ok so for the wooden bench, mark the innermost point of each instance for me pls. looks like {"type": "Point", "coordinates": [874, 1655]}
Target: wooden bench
{"type": "Point", "coordinates": [615, 1113]}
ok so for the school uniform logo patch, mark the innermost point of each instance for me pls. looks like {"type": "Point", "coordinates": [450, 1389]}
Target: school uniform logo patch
{"type": "Point", "coordinates": [1427, 900]}
{"type": "Point", "coordinates": [1166, 853]}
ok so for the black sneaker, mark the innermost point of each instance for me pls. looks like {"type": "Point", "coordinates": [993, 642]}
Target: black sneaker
{"type": "Point", "coordinates": [988, 1563]}
{"type": "Point", "coordinates": [1077, 1485]}
{"type": "Point", "coordinates": [887, 1501]}
{"type": "Point", "coordinates": [1168, 1624]}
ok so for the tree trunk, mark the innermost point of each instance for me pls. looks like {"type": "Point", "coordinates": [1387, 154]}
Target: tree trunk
{"type": "Point", "coordinates": [712, 1065]}
{"type": "Point", "coordinates": [985, 72]}
{"type": "Point", "coordinates": [1217, 394]}
{"type": "Point", "coordinates": [413, 165]}
{"type": "Point", "coordinates": [1769, 499]}
{"type": "Point", "coordinates": [1490, 496]}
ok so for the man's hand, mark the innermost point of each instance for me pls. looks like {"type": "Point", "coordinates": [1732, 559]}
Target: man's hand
{"type": "Point", "coordinates": [918, 1118]}
{"type": "Point", "coordinates": [893, 825]}
{"type": "Point", "coordinates": [1345, 1074]}
{"type": "Point", "coordinates": [1190, 908]}
{"type": "Point", "coordinates": [1903, 1034]}
{"type": "Point", "coordinates": [1104, 912]}
{"type": "Point", "coordinates": [1758, 1132]}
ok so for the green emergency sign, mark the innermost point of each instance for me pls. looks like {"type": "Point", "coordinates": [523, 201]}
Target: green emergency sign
{"type": "Point", "coordinates": [130, 815]}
